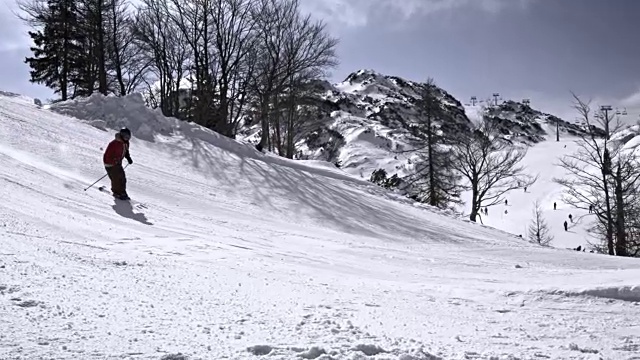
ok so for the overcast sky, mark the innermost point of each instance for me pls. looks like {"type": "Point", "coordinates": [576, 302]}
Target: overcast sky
{"type": "Point", "coordinates": [537, 49]}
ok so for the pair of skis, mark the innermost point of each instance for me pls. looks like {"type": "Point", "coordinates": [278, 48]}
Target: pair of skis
{"type": "Point", "coordinates": [133, 202]}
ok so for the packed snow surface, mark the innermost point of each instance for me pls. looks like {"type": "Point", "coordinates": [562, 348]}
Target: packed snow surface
{"type": "Point", "coordinates": [228, 253]}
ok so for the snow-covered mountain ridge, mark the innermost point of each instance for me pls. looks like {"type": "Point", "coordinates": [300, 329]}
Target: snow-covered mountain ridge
{"type": "Point", "coordinates": [230, 253]}
{"type": "Point", "coordinates": [519, 121]}
{"type": "Point", "coordinates": [369, 116]}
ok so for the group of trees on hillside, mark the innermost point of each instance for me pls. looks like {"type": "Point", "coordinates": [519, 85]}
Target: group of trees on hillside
{"type": "Point", "coordinates": [214, 62]}
{"type": "Point", "coordinates": [604, 177]}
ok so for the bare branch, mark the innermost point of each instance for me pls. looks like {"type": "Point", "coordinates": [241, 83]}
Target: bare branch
{"type": "Point", "coordinates": [490, 166]}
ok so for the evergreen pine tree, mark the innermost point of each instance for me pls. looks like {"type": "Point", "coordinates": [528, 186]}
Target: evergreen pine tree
{"type": "Point", "coordinates": [433, 181]}
{"type": "Point", "coordinates": [55, 47]}
{"type": "Point", "coordinates": [92, 72]}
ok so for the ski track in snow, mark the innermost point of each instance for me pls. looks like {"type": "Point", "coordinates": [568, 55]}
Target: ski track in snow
{"type": "Point", "coordinates": [241, 255]}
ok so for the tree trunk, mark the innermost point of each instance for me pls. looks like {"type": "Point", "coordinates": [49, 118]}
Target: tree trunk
{"type": "Point", "coordinates": [100, 46]}
{"type": "Point", "coordinates": [609, 216]}
{"type": "Point", "coordinates": [264, 122]}
{"type": "Point", "coordinates": [621, 239]}
{"type": "Point", "coordinates": [278, 130]}
{"type": "Point", "coordinates": [474, 201]}
{"type": "Point", "coordinates": [117, 56]}
{"type": "Point", "coordinates": [64, 77]}
{"type": "Point", "coordinates": [433, 200]}
{"type": "Point", "coordinates": [291, 128]}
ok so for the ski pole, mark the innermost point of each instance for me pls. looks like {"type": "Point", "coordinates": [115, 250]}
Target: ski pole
{"type": "Point", "coordinates": [95, 182]}
{"type": "Point", "coordinates": [90, 186]}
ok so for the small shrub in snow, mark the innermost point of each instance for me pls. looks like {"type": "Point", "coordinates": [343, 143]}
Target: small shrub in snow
{"type": "Point", "coordinates": [379, 177]}
{"type": "Point", "coordinates": [539, 229]}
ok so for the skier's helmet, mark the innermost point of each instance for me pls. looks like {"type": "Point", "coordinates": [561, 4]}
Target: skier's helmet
{"type": "Point", "coordinates": [125, 133]}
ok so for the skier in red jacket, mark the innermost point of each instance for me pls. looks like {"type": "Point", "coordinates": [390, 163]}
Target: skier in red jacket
{"type": "Point", "coordinates": [118, 150]}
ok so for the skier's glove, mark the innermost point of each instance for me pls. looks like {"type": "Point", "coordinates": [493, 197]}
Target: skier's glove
{"type": "Point", "coordinates": [130, 160]}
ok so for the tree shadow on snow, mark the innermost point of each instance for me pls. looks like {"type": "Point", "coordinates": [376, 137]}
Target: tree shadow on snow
{"type": "Point", "coordinates": [336, 204]}
{"type": "Point", "coordinates": [124, 209]}
{"type": "Point", "coordinates": [240, 170]}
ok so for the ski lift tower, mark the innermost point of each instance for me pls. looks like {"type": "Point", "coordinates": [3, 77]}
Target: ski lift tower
{"type": "Point", "coordinates": [474, 100]}
{"type": "Point", "coordinates": [495, 97]}
{"type": "Point", "coordinates": [526, 102]}
{"type": "Point", "coordinates": [605, 109]}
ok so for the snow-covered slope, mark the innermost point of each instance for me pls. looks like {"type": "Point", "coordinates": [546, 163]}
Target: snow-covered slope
{"type": "Point", "coordinates": [543, 160]}
{"type": "Point", "coordinates": [229, 253]}
{"type": "Point", "coordinates": [515, 217]}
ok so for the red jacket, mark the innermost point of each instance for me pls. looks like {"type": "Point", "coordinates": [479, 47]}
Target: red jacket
{"type": "Point", "coordinates": [117, 150]}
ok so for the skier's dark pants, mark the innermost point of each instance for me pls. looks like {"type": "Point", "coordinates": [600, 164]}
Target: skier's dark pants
{"type": "Point", "coordinates": [118, 180]}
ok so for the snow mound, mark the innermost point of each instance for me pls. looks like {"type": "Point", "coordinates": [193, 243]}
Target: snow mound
{"type": "Point", "coordinates": [19, 97]}
{"type": "Point", "coordinates": [629, 293]}
{"type": "Point", "coordinates": [8, 94]}
{"type": "Point", "coordinates": [113, 112]}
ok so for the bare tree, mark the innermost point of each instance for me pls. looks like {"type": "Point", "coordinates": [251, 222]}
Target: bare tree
{"type": "Point", "coordinates": [586, 185]}
{"type": "Point", "coordinates": [538, 228]}
{"type": "Point", "coordinates": [125, 61]}
{"type": "Point", "coordinates": [295, 114]}
{"type": "Point", "coordinates": [490, 166]}
{"type": "Point", "coordinates": [289, 46]}
{"type": "Point", "coordinates": [193, 20]}
{"type": "Point", "coordinates": [162, 45]}
{"type": "Point", "coordinates": [625, 178]}
{"type": "Point", "coordinates": [31, 12]}
{"type": "Point", "coordinates": [234, 42]}
{"type": "Point", "coordinates": [633, 237]}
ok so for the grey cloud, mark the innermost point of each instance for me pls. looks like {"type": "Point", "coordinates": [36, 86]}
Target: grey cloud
{"type": "Point", "coordinates": [357, 13]}
{"type": "Point", "coordinates": [15, 75]}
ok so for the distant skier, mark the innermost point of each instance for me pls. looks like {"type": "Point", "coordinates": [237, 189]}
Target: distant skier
{"type": "Point", "coordinates": [571, 217]}
{"type": "Point", "coordinates": [116, 151]}
{"type": "Point", "coordinates": [525, 189]}
{"type": "Point", "coordinates": [486, 210]}
{"type": "Point", "coordinates": [506, 203]}
{"type": "Point", "coordinates": [590, 209]}
{"type": "Point", "coordinates": [554, 206]}
{"type": "Point", "coordinates": [565, 225]}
